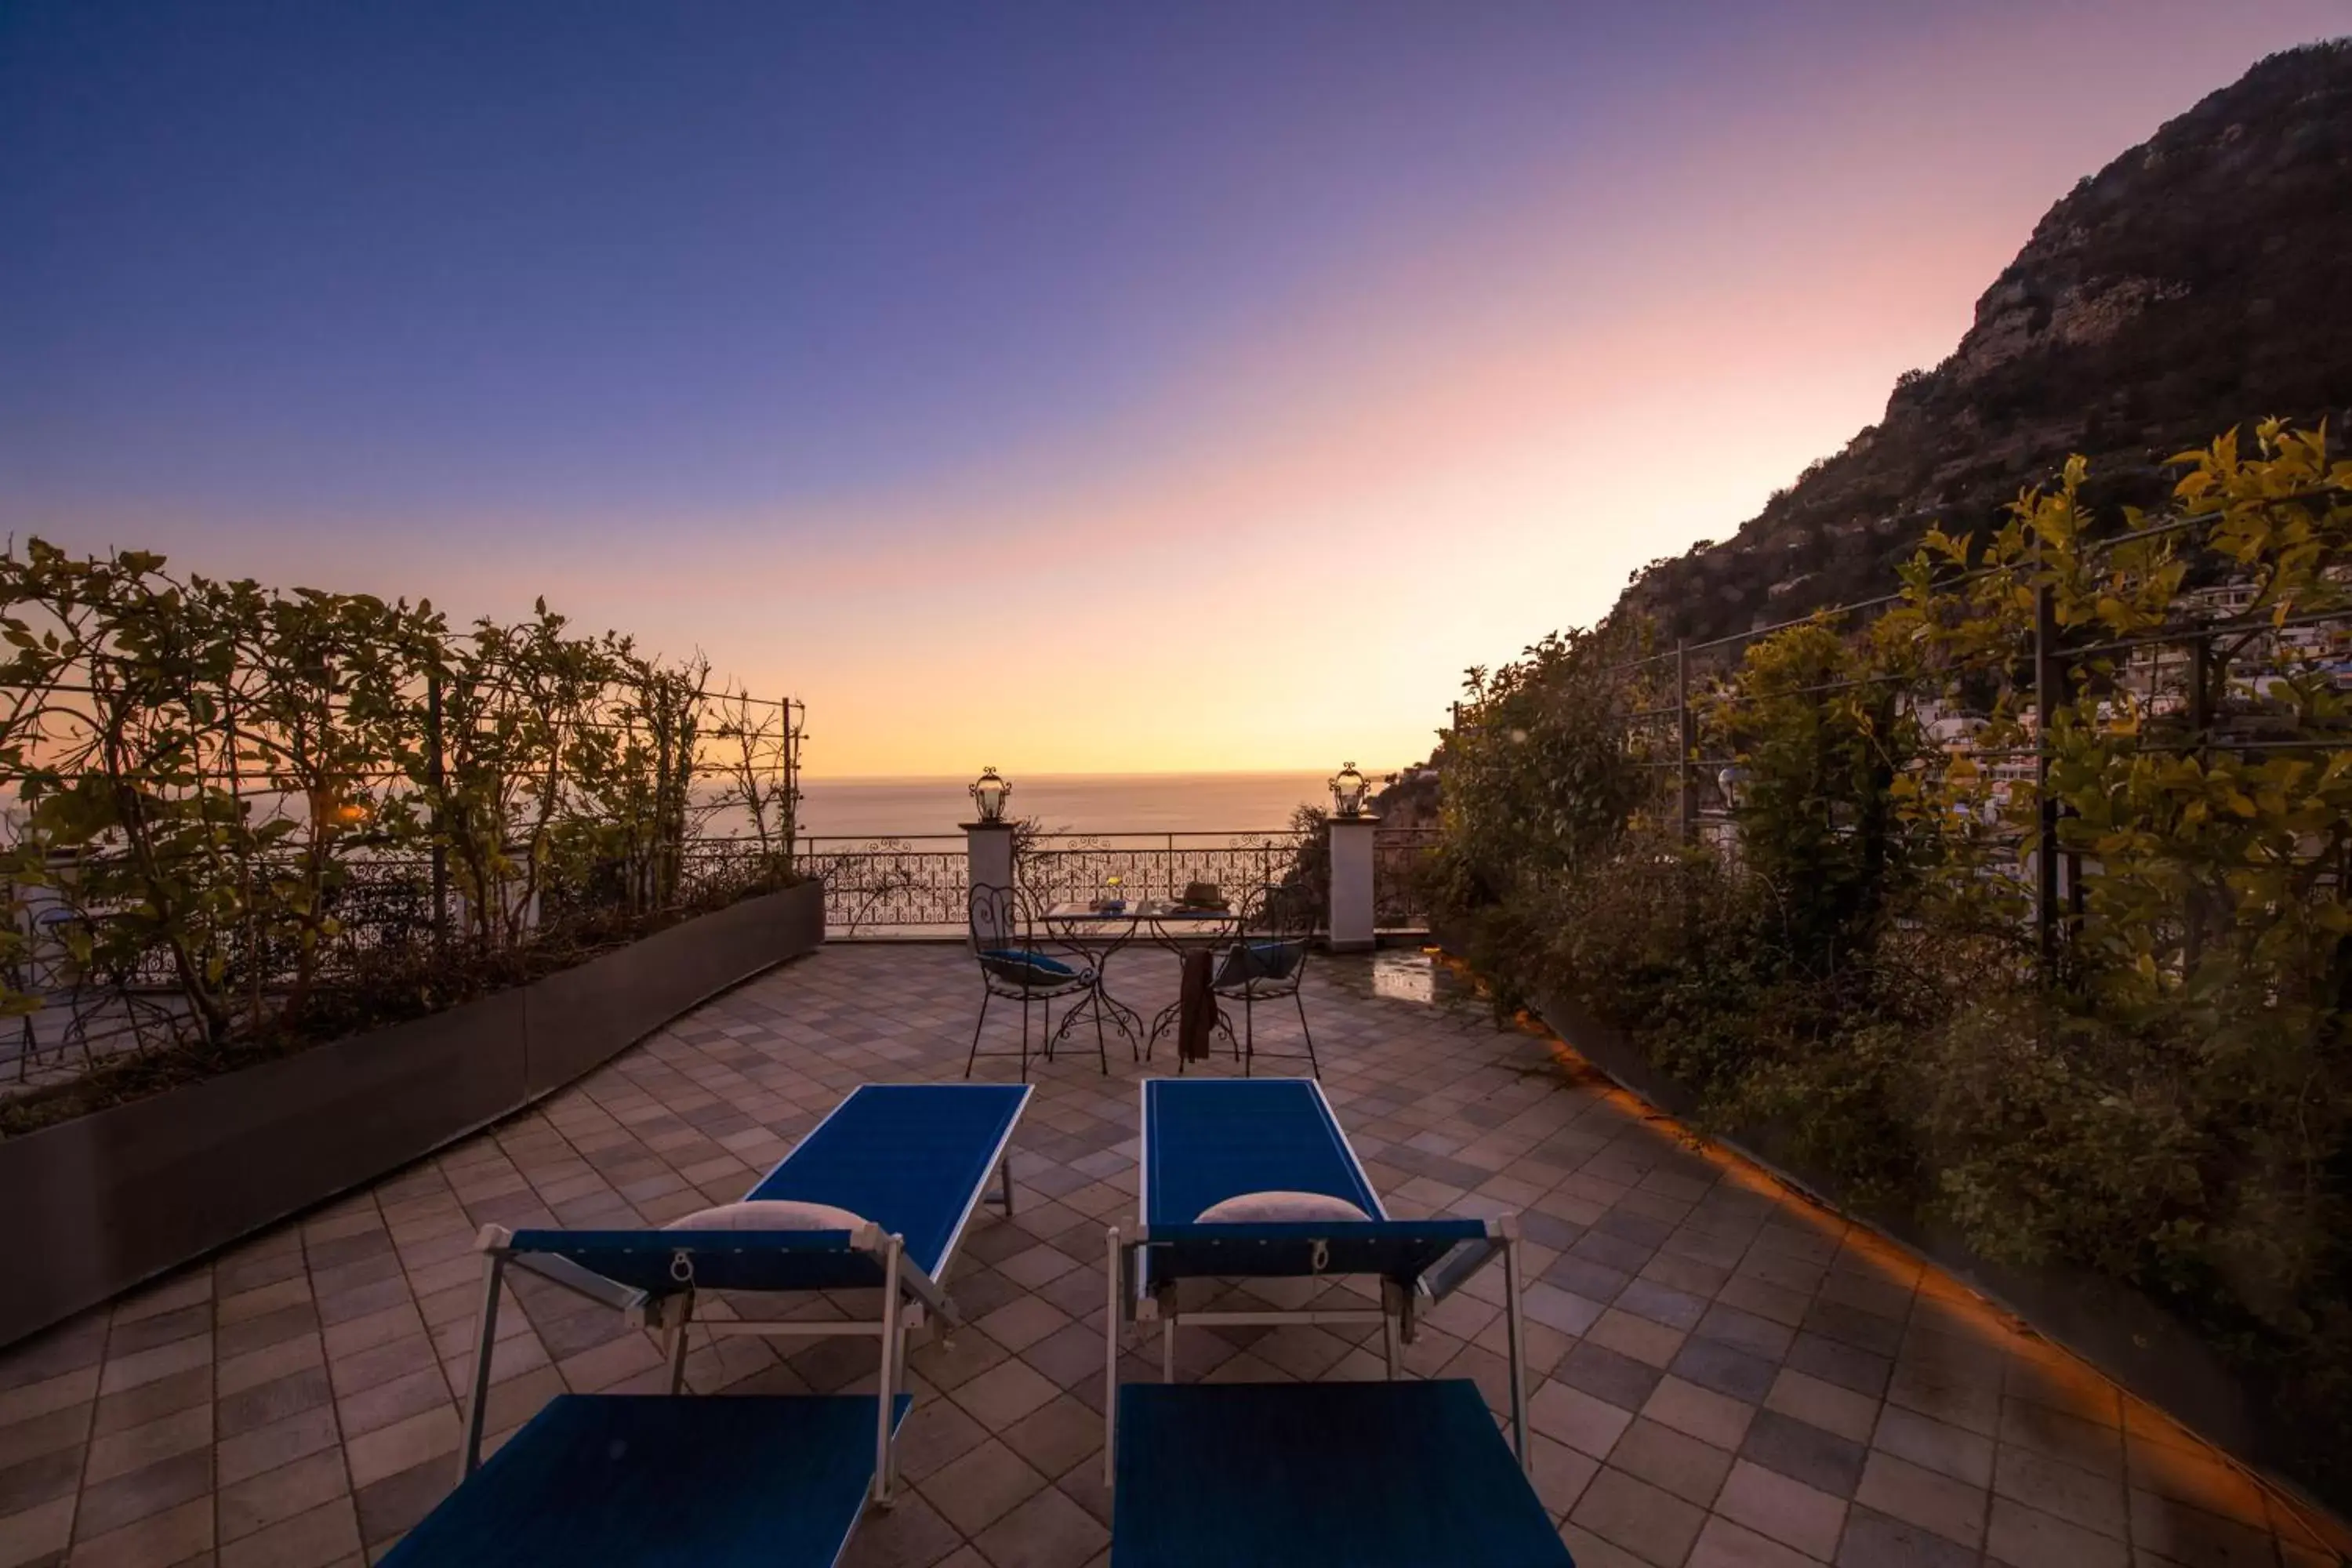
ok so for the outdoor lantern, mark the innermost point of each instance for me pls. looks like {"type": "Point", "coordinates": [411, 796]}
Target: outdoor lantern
{"type": "Point", "coordinates": [989, 792]}
{"type": "Point", "coordinates": [1348, 792]}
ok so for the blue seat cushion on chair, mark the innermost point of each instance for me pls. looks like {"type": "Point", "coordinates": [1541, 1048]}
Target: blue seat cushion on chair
{"type": "Point", "coordinates": [1271, 962]}
{"type": "Point", "coordinates": [1368, 1475]}
{"type": "Point", "coordinates": [1207, 1140]}
{"type": "Point", "coordinates": [636, 1480]}
{"type": "Point", "coordinates": [1028, 968]}
{"type": "Point", "coordinates": [911, 1157]}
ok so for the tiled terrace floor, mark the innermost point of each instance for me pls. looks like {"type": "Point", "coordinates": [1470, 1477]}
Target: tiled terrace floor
{"type": "Point", "coordinates": [1721, 1374]}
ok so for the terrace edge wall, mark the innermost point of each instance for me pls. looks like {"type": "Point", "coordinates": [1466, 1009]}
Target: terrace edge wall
{"type": "Point", "coordinates": [94, 1206]}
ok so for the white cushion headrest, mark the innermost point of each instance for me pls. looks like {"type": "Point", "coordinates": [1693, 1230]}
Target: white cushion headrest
{"type": "Point", "coordinates": [1279, 1209]}
{"type": "Point", "coordinates": [770, 1214]}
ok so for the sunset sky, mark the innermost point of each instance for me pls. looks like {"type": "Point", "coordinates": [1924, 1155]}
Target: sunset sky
{"type": "Point", "coordinates": [1071, 387]}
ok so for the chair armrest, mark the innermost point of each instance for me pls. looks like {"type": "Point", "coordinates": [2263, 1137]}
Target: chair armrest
{"type": "Point", "coordinates": [581, 1282]}
{"type": "Point", "coordinates": [1451, 1272]}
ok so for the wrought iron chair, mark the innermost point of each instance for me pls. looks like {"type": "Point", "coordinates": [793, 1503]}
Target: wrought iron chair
{"type": "Point", "coordinates": [1015, 965]}
{"type": "Point", "coordinates": [1265, 963]}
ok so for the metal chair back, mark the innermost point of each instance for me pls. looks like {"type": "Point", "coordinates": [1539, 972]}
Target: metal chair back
{"type": "Point", "coordinates": [995, 919]}
{"type": "Point", "coordinates": [1269, 951]}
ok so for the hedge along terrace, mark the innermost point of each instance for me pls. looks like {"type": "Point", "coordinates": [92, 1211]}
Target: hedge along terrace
{"type": "Point", "coordinates": [240, 821]}
{"type": "Point", "coordinates": [1812, 895]}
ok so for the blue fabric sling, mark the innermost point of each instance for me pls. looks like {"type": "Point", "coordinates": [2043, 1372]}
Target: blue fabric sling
{"type": "Point", "coordinates": [1207, 1140]}
{"type": "Point", "coordinates": [1368, 1475]}
{"type": "Point", "coordinates": [911, 1157]}
{"type": "Point", "coordinates": [642, 1480]}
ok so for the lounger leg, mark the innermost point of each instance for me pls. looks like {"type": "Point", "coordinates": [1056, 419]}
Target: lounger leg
{"type": "Point", "coordinates": [1110, 1367]}
{"type": "Point", "coordinates": [898, 1381]}
{"type": "Point", "coordinates": [885, 1395]}
{"type": "Point", "coordinates": [469, 1453]}
{"type": "Point", "coordinates": [1519, 1352]}
{"type": "Point", "coordinates": [1249, 1036]}
{"type": "Point", "coordinates": [677, 1343]}
{"type": "Point", "coordinates": [1005, 1169]}
{"type": "Point", "coordinates": [1168, 1349]}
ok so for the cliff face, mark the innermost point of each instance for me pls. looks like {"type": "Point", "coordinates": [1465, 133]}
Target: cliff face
{"type": "Point", "coordinates": [1409, 800]}
{"type": "Point", "coordinates": [2202, 279]}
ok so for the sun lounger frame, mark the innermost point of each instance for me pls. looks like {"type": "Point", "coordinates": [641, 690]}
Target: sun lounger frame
{"type": "Point", "coordinates": [1456, 1249]}
{"type": "Point", "coordinates": [911, 1297]}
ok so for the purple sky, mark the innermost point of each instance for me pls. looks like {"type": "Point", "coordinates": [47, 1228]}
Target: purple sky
{"type": "Point", "coordinates": [1062, 386]}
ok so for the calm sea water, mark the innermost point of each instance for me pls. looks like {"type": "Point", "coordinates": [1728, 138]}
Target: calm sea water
{"type": "Point", "coordinates": [1075, 802]}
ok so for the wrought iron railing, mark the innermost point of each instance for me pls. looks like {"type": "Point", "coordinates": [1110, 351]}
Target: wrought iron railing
{"type": "Point", "coordinates": [1158, 865]}
{"type": "Point", "coordinates": [919, 886]}
{"type": "Point", "coordinates": [1400, 883]}
{"type": "Point", "coordinates": [915, 886]}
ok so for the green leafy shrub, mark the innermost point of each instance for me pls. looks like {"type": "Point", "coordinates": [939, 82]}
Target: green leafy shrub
{"type": "Point", "coordinates": [231, 806]}
{"type": "Point", "coordinates": [2163, 1091]}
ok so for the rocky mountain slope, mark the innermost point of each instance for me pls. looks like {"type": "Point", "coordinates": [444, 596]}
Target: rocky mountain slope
{"type": "Point", "coordinates": [2202, 279]}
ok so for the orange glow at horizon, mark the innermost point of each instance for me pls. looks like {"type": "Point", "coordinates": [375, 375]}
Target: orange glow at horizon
{"type": "Point", "coordinates": [1289, 552]}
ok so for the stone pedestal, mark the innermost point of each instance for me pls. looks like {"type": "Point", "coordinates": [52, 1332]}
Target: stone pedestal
{"type": "Point", "coordinates": [1351, 883]}
{"type": "Point", "coordinates": [989, 849]}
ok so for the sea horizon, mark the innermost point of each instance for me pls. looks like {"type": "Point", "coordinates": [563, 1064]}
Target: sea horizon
{"type": "Point", "coordinates": [903, 806]}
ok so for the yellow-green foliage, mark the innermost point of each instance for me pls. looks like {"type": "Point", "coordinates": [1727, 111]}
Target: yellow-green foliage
{"type": "Point", "coordinates": [2170, 1098]}
{"type": "Point", "coordinates": [208, 779]}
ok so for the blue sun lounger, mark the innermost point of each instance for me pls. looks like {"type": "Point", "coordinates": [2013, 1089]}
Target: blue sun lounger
{"type": "Point", "coordinates": [1369, 1474]}
{"type": "Point", "coordinates": [1209, 1140]}
{"type": "Point", "coordinates": [910, 1163]}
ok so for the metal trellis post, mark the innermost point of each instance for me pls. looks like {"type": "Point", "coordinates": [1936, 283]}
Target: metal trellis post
{"type": "Point", "coordinates": [433, 774]}
{"type": "Point", "coordinates": [1685, 743]}
{"type": "Point", "coordinates": [2200, 724]}
{"type": "Point", "coordinates": [2046, 699]}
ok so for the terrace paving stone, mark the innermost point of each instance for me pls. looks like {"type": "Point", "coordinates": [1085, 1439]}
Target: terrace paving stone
{"type": "Point", "coordinates": [2022, 1537]}
{"type": "Point", "coordinates": [1654, 1526]}
{"type": "Point", "coordinates": [1922, 1498]}
{"type": "Point", "coordinates": [1826, 1406]}
{"type": "Point", "coordinates": [1723, 1545]}
{"type": "Point", "coordinates": [1668, 1460]}
{"type": "Point", "coordinates": [1608, 1373]}
{"type": "Point", "coordinates": [1787, 1511]}
{"type": "Point", "coordinates": [1875, 1541]}
{"type": "Point", "coordinates": [1823, 1461]}
{"type": "Point", "coordinates": [1719, 1374]}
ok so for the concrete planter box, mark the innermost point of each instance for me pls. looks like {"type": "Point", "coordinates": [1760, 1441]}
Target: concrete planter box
{"type": "Point", "coordinates": [93, 1206]}
{"type": "Point", "coordinates": [2130, 1337]}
